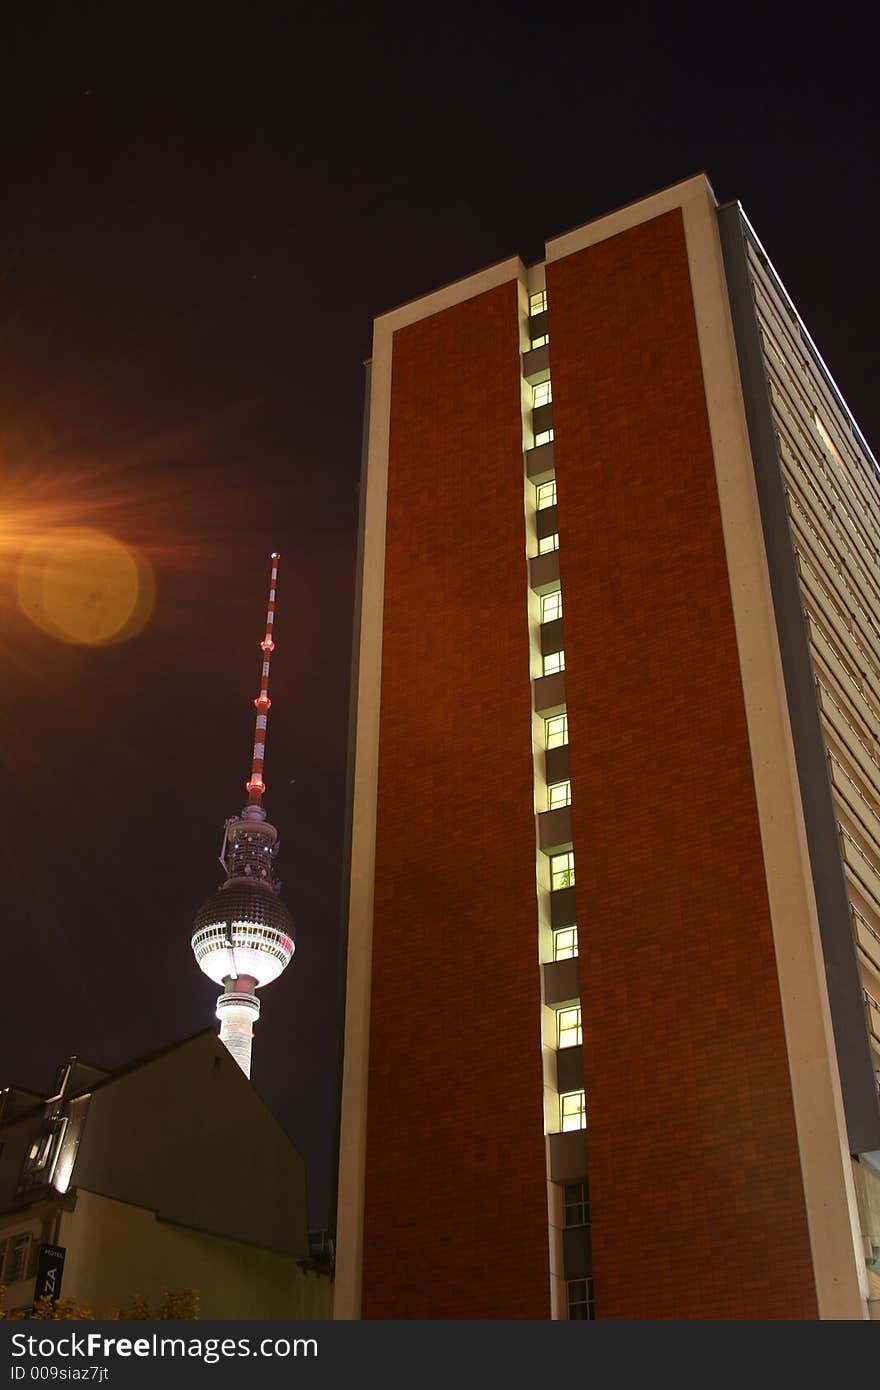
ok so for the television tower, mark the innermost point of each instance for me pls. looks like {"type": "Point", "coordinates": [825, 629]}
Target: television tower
{"type": "Point", "coordinates": [243, 935]}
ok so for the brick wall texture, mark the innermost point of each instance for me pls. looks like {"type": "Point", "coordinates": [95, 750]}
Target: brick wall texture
{"type": "Point", "coordinates": [696, 1195]}
{"type": "Point", "coordinates": [455, 1204]}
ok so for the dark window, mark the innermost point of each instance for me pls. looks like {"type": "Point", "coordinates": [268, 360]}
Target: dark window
{"type": "Point", "coordinates": [14, 1258]}
{"type": "Point", "coordinates": [577, 1204]}
{"type": "Point", "coordinates": [580, 1300]}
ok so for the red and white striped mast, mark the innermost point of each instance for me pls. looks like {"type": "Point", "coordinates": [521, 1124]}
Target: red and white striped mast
{"type": "Point", "coordinates": [256, 786]}
{"type": "Point", "coordinates": [243, 935]}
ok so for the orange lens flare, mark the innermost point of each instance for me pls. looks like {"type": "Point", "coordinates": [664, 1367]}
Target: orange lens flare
{"type": "Point", "coordinates": [84, 586]}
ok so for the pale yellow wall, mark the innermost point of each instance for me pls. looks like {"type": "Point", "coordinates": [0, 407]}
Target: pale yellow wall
{"type": "Point", "coordinates": [115, 1251]}
{"type": "Point", "coordinates": [188, 1136]}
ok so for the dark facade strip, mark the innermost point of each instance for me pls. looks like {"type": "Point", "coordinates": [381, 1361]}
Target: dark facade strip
{"type": "Point", "coordinates": [829, 880]}
{"type": "Point", "coordinates": [345, 894]}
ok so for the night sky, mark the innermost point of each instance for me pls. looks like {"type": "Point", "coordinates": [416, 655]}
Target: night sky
{"type": "Point", "coordinates": [202, 210]}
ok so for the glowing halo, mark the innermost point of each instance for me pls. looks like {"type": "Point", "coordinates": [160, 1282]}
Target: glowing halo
{"type": "Point", "coordinates": [84, 586]}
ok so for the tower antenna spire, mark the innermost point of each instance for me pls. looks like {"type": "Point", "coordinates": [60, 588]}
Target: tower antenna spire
{"type": "Point", "coordinates": [256, 786]}
{"type": "Point", "coordinates": [243, 936]}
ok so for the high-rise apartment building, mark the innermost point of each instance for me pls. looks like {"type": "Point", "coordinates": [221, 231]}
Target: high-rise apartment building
{"type": "Point", "coordinates": [613, 994]}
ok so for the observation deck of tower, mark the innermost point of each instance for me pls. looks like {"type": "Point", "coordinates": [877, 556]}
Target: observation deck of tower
{"type": "Point", "coordinates": [243, 934]}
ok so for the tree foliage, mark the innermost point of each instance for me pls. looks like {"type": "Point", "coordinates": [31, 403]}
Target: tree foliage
{"type": "Point", "coordinates": [178, 1304]}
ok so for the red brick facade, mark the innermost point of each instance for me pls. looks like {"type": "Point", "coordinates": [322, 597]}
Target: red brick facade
{"type": "Point", "coordinates": [456, 1207]}
{"type": "Point", "coordinates": [695, 1183]}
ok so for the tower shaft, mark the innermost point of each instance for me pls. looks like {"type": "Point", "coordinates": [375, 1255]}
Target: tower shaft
{"type": "Point", "coordinates": [238, 1009]}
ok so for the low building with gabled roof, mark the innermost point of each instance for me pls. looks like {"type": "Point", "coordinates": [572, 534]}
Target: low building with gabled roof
{"type": "Point", "coordinates": [168, 1172]}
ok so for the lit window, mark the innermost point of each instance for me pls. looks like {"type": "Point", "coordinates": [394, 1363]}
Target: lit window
{"type": "Point", "coordinates": [826, 437]}
{"type": "Point", "coordinates": [545, 495]}
{"type": "Point", "coordinates": [565, 943]}
{"type": "Point", "coordinates": [542, 394]}
{"type": "Point", "coordinates": [577, 1204]}
{"type": "Point", "coordinates": [545, 437]}
{"type": "Point", "coordinates": [553, 662]}
{"type": "Point", "coordinates": [568, 1027]}
{"type": "Point", "coordinates": [539, 341]}
{"type": "Point", "coordinates": [573, 1111]}
{"type": "Point", "coordinates": [562, 870]}
{"type": "Point", "coordinates": [559, 795]}
{"type": "Point", "coordinates": [551, 606]}
{"type": "Point", "coordinates": [580, 1300]}
{"type": "Point", "coordinates": [39, 1151]}
{"type": "Point", "coordinates": [548, 543]}
{"type": "Point", "coordinates": [538, 302]}
{"type": "Point", "coordinates": [556, 731]}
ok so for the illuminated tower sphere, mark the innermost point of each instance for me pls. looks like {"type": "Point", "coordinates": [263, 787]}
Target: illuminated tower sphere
{"type": "Point", "coordinates": [243, 935]}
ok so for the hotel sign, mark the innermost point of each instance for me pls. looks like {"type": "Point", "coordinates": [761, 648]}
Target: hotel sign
{"type": "Point", "coordinates": [50, 1268]}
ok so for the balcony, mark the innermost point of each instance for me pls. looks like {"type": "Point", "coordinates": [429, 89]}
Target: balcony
{"type": "Point", "coordinates": [538, 325]}
{"type": "Point", "coordinates": [872, 1014]}
{"type": "Point", "coordinates": [563, 908]}
{"type": "Point", "coordinates": [547, 522]}
{"type": "Point", "coordinates": [561, 982]}
{"type": "Point", "coordinates": [554, 831]}
{"type": "Point", "coordinates": [557, 765]}
{"type": "Point", "coordinates": [536, 362]}
{"type": "Point", "coordinates": [549, 694]}
{"type": "Point", "coordinates": [552, 637]}
{"type": "Point", "coordinates": [867, 937]}
{"type": "Point", "coordinates": [570, 1069]}
{"type": "Point", "coordinates": [542, 418]}
{"type": "Point", "coordinates": [567, 1156]}
{"type": "Point", "coordinates": [544, 572]}
{"type": "Point", "coordinates": [540, 465]}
